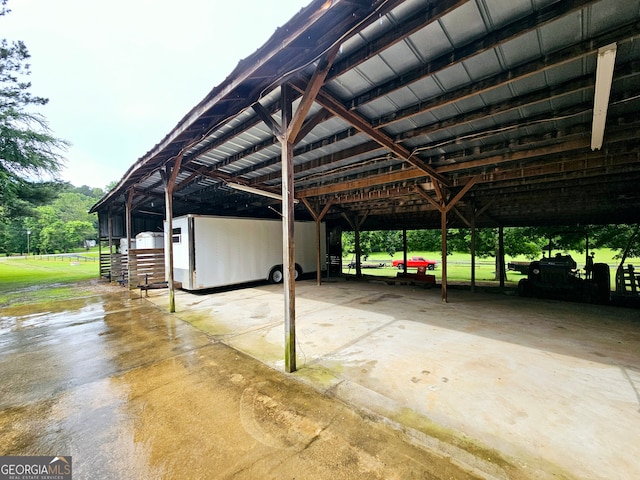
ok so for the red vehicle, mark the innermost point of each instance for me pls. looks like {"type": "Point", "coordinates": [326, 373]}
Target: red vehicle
{"type": "Point", "coordinates": [416, 262]}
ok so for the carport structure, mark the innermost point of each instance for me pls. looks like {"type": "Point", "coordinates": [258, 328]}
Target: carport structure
{"type": "Point", "coordinates": [397, 114]}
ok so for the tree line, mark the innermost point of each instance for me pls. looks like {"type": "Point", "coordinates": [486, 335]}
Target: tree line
{"type": "Point", "coordinates": [61, 225]}
{"type": "Point", "coordinates": [530, 242]}
{"type": "Point", "coordinates": [39, 213]}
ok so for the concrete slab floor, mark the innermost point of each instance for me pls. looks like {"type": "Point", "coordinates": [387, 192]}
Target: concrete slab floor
{"type": "Point", "coordinates": [548, 388]}
{"type": "Point", "coordinates": [131, 392]}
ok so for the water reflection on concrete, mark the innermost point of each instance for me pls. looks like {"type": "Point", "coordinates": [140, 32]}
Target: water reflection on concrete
{"type": "Point", "coordinates": [130, 391]}
{"type": "Point", "coordinates": [67, 380]}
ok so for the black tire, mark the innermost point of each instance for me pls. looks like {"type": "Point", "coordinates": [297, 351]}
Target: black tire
{"type": "Point", "coordinates": [401, 266]}
{"type": "Point", "coordinates": [524, 289]}
{"type": "Point", "coordinates": [431, 266]}
{"type": "Point", "coordinates": [276, 275]}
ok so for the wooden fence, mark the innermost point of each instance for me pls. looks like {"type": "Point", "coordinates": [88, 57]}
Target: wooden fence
{"type": "Point", "coordinates": [146, 266]}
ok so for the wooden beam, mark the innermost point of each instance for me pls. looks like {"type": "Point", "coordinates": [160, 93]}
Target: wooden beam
{"type": "Point", "coordinates": [309, 96]}
{"type": "Point", "coordinates": [462, 192]}
{"type": "Point", "coordinates": [316, 119]}
{"type": "Point", "coordinates": [437, 205]}
{"type": "Point", "coordinates": [266, 117]}
{"type": "Point", "coordinates": [334, 106]}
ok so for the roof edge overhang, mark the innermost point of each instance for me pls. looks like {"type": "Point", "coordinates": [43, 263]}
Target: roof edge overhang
{"type": "Point", "coordinates": [283, 37]}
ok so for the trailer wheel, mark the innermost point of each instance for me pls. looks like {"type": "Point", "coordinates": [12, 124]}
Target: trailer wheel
{"type": "Point", "coordinates": [276, 275]}
{"type": "Point", "coordinates": [401, 266]}
{"type": "Point", "coordinates": [298, 272]}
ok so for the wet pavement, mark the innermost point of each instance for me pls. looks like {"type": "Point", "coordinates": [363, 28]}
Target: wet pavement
{"type": "Point", "coordinates": [130, 391]}
{"type": "Point", "coordinates": [511, 387]}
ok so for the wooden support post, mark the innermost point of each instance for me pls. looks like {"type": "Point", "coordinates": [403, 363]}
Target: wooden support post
{"type": "Point", "coordinates": [500, 260]}
{"type": "Point", "coordinates": [473, 252]}
{"type": "Point", "coordinates": [443, 226]}
{"type": "Point", "coordinates": [110, 230]}
{"type": "Point", "coordinates": [318, 219]}
{"type": "Point", "coordinates": [444, 205]}
{"type": "Point", "coordinates": [128, 223]}
{"type": "Point", "coordinates": [289, 132]}
{"type": "Point", "coordinates": [288, 247]}
{"type": "Point", "coordinates": [169, 176]}
{"type": "Point", "coordinates": [404, 250]}
{"type": "Point", "coordinates": [358, 249]}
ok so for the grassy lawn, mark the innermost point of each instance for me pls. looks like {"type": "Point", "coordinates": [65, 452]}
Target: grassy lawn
{"type": "Point", "coordinates": [21, 278]}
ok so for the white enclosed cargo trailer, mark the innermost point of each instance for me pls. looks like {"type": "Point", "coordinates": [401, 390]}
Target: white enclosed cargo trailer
{"type": "Point", "coordinates": [213, 251]}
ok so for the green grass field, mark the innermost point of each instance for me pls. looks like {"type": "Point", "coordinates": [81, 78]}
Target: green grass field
{"type": "Point", "coordinates": [21, 277]}
{"type": "Point", "coordinates": [459, 265]}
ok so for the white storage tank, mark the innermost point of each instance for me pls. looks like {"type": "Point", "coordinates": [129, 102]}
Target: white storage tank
{"type": "Point", "coordinates": [123, 245]}
{"type": "Point", "coordinates": [150, 240]}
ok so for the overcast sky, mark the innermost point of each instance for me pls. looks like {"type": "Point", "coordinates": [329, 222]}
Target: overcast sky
{"type": "Point", "coordinates": [120, 74]}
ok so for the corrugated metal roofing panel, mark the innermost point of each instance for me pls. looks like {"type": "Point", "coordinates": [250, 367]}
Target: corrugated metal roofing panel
{"type": "Point", "coordinates": [426, 88]}
{"type": "Point", "coordinates": [520, 50]}
{"type": "Point", "coordinates": [483, 65]}
{"type": "Point", "coordinates": [400, 57]}
{"type": "Point", "coordinates": [372, 72]}
{"type": "Point", "coordinates": [500, 13]}
{"type": "Point", "coordinates": [564, 31]}
{"type": "Point", "coordinates": [431, 42]}
{"type": "Point", "coordinates": [453, 77]}
{"type": "Point", "coordinates": [463, 24]}
{"type": "Point", "coordinates": [605, 15]}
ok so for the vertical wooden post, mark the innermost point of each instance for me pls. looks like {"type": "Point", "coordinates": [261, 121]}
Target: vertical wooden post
{"type": "Point", "coordinates": [128, 223]}
{"type": "Point", "coordinates": [169, 176]}
{"type": "Point", "coordinates": [168, 202]}
{"type": "Point", "coordinates": [443, 226]}
{"type": "Point", "coordinates": [110, 229]}
{"type": "Point", "coordinates": [404, 249]}
{"type": "Point", "coordinates": [318, 252]}
{"type": "Point", "coordinates": [288, 247]}
{"type": "Point", "coordinates": [473, 253]}
{"type": "Point", "coordinates": [500, 263]}
{"type": "Point", "coordinates": [358, 249]}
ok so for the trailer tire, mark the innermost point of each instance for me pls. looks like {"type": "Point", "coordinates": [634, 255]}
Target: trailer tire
{"type": "Point", "coordinates": [276, 275]}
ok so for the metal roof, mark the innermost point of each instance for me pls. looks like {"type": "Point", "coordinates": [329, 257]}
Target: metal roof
{"type": "Point", "coordinates": [492, 100]}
